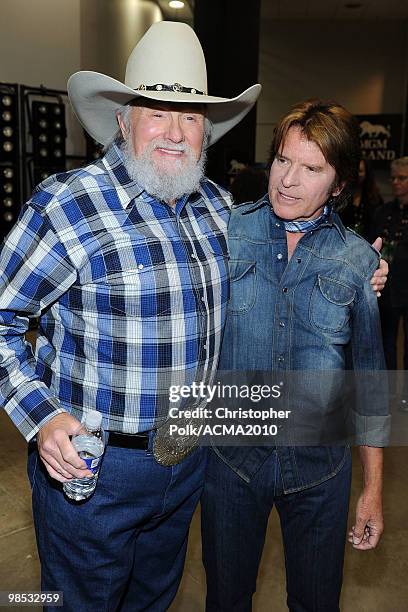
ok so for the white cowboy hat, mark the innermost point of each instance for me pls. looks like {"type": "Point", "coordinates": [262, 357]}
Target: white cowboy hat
{"type": "Point", "coordinates": [167, 64]}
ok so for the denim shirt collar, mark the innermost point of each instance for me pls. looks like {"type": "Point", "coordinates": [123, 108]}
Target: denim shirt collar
{"type": "Point", "coordinates": [333, 219]}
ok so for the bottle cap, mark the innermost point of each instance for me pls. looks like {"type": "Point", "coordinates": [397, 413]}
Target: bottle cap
{"type": "Point", "coordinates": [93, 420]}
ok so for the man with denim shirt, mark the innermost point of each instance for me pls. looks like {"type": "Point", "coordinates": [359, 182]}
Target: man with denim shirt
{"type": "Point", "coordinates": [300, 298]}
{"type": "Point", "coordinates": [125, 261]}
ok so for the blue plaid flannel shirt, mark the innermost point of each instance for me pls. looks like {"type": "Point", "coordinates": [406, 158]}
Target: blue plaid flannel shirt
{"type": "Point", "coordinates": [131, 296]}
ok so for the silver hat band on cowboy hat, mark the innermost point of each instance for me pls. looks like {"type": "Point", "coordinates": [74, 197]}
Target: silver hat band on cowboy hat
{"type": "Point", "coordinates": [174, 87]}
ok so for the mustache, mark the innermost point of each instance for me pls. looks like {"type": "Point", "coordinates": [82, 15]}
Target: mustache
{"type": "Point", "coordinates": [162, 143]}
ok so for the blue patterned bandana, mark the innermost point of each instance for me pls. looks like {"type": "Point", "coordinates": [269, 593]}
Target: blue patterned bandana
{"type": "Point", "coordinates": [306, 226]}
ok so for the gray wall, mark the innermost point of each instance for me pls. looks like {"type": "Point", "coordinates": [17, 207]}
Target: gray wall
{"type": "Point", "coordinates": [109, 31]}
{"type": "Point", "coordinates": [39, 41]}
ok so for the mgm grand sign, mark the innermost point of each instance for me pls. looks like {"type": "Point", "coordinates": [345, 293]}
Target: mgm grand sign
{"type": "Point", "coordinates": [380, 138]}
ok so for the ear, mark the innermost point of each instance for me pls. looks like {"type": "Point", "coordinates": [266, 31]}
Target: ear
{"type": "Point", "coordinates": [337, 191]}
{"type": "Point", "coordinates": [121, 125]}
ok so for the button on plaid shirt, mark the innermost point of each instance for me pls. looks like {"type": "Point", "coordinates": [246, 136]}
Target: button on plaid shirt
{"type": "Point", "coordinates": [132, 296]}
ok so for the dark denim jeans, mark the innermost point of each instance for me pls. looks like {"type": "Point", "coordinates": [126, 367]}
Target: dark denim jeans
{"type": "Point", "coordinates": [234, 520]}
{"type": "Point", "coordinates": [124, 548]}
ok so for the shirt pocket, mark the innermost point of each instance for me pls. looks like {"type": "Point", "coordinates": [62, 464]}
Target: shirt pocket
{"type": "Point", "coordinates": [129, 282]}
{"type": "Point", "coordinates": [243, 286]}
{"type": "Point", "coordinates": [143, 293]}
{"type": "Point", "coordinates": [330, 304]}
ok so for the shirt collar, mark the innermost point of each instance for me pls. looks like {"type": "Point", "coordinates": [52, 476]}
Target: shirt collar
{"type": "Point", "coordinates": [264, 201]}
{"type": "Point", "coordinates": [127, 188]}
{"type": "Point", "coordinates": [333, 219]}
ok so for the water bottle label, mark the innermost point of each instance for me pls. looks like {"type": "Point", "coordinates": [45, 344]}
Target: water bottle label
{"type": "Point", "coordinates": [90, 449]}
{"type": "Point", "coordinates": [92, 463]}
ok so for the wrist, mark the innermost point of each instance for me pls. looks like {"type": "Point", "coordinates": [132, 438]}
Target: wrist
{"type": "Point", "coordinates": [373, 488]}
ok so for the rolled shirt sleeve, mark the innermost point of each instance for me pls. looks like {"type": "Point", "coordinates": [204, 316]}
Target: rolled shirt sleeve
{"type": "Point", "coordinates": [370, 416]}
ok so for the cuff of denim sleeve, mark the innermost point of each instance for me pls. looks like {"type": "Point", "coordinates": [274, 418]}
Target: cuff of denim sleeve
{"type": "Point", "coordinates": [371, 430]}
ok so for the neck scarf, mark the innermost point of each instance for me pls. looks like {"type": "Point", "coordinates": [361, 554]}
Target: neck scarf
{"type": "Point", "coordinates": [308, 225]}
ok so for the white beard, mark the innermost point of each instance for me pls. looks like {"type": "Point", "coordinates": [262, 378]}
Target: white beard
{"type": "Point", "coordinates": [159, 182]}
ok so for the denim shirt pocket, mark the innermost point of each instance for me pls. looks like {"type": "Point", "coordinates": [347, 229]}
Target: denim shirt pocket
{"type": "Point", "coordinates": [330, 304]}
{"type": "Point", "coordinates": [243, 286]}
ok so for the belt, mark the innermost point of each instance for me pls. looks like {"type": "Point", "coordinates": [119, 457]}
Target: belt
{"type": "Point", "coordinates": [139, 440]}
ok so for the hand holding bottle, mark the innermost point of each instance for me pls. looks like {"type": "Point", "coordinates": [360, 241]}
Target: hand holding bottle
{"type": "Point", "coordinates": [56, 450]}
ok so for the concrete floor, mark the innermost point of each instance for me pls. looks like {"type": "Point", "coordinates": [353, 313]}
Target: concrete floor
{"type": "Point", "coordinates": [375, 581]}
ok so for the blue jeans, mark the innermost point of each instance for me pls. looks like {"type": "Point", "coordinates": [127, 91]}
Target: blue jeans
{"type": "Point", "coordinates": [124, 548]}
{"type": "Point", "coordinates": [234, 521]}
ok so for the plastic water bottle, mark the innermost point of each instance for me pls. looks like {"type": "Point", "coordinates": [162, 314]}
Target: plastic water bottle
{"type": "Point", "coordinates": [89, 444]}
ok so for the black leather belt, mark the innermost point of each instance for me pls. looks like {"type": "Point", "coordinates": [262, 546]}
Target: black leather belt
{"type": "Point", "coordinates": [139, 440]}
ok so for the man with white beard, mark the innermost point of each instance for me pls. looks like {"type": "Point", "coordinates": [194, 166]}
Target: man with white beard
{"type": "Point", "coordinates": [166, 173]}
{"type": "Point", "coordinates": [125, 261]}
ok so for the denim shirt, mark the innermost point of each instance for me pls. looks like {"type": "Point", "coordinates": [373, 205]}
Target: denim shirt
{"type": "Point", "coordinates": [301, 314]}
